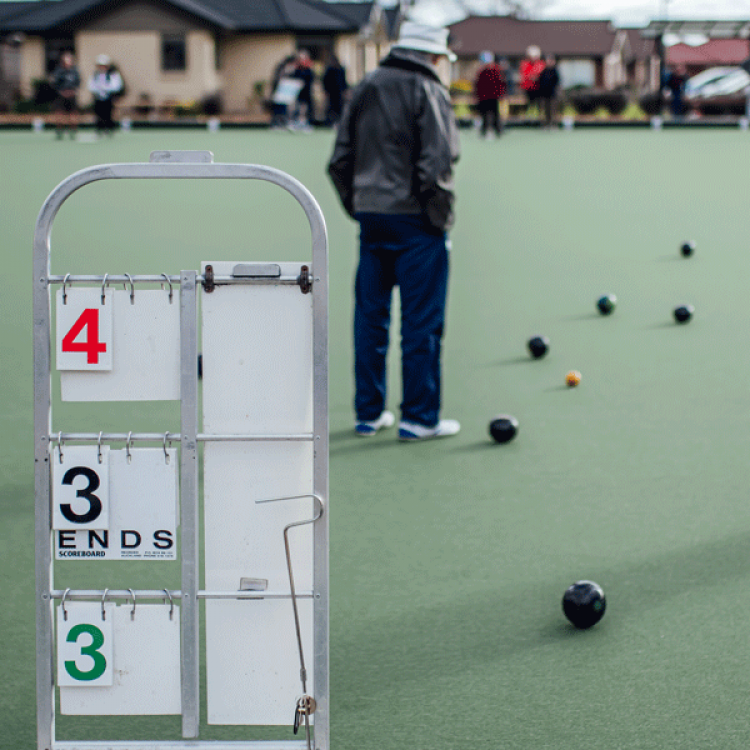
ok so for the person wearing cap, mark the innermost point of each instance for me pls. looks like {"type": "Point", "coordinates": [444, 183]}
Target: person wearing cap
{"type": "Point", "coordinates": [489, 89]}
{"type": "Point", "coordinates": [105, 84]}
{"type": "Point", "coordinates": [392, 166]}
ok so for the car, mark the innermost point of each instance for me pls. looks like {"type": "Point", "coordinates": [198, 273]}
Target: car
{"type": "Point", "coordinates": [719, 94]}
{"type": "Point", "coordinates": [694, 85]}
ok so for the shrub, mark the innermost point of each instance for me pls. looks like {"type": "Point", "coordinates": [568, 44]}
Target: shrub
{"type": "Point", "coordinates": [651, 103]}
{"type": "Point", "coordinates": [212, 105]}
{"type": "Point", "coordinates": [615, 102]}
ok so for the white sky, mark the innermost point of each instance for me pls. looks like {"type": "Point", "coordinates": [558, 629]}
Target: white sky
{"type": "Point", "coordinates": [622, 12]}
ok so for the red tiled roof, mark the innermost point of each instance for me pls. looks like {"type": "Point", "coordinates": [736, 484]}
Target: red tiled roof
{"type": "Point", "coordinates": [506, 35]}
{"type": "Point", "coordinates": [713, 52]}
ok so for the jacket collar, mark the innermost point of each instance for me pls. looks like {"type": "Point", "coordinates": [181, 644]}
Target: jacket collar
{"type": "Point", "coordinates": [409, 59]}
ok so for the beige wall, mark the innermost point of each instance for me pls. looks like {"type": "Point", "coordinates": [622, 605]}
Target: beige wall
{"type": "Point", "coordinates": [32, 63]}
{"type": "Point", "coordinates": [246, 60]}
{"type": "Point", "coordinates": [138, 56]}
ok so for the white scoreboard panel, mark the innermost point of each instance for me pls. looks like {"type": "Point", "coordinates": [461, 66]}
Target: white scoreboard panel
{"type": "Point", "coordinates": [259, 382]}
{"type": "Point", "coordinates": [127, 663]}
{"type": "Point", "coordinates": [127, 349]}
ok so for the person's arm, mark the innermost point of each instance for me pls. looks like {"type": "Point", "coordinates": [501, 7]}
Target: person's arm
{"type": "Point", "coordinates": [438, 150]}
{"type": "Point", "coordinates": [341, 165]}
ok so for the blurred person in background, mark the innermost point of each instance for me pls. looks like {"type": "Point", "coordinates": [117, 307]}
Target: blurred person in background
{"type": "Point", "coordinates": [549, 80]}
{"type": "Point", "coordinates": [105, 84]}
{"type": "Point", "coordinates": [489, 89]}
{"type": "Point", "coordinates": [335, 86]}
{"type": "Point", "coordinates": [529, 71]}
{"type": "Point", "coordinates": [65, 81]}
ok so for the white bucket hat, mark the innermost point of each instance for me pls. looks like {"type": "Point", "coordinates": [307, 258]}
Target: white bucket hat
{"type": "Point", "coordinates": [423, 38]}
{"type": "Point", "coordinates": [103, 60]}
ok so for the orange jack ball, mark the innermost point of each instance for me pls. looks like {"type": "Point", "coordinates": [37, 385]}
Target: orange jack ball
{"type": "Point", "coordinates": [573, 378]}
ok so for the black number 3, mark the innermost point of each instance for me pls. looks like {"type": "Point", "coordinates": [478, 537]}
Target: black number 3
{"type": "Point", "coordinates": [95, 504]}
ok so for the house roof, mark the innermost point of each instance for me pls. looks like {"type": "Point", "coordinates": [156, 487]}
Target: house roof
{"type": "Point", "coordinates": [237, 15]}
{"type": "Point", "coordinates": [507, 35]}
{"type": "Point", "coordinates": [639, 48]}
{"type": "Point", "coordinates": [713, 29]}
{"type": "Point", "coordinates": [713, 52]}
{"type": "Point", "coordinates": [9, 10]}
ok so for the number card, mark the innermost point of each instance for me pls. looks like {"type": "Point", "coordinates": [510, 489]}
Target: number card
{"type": "Point", "coordinates": [142, 514]}
{"type": "Point", "coordinates": [84, 645]}
{"type": "Point", "coordinates": [146, 363]}
{"type": "Point", "coordinates": [80, 488]}
{"type": "Point", "coordinates": [84, 330]}
{"type": "Point", "coordinates": [145, 664]}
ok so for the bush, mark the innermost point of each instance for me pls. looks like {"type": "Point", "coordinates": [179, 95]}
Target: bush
{"type": "Point", "coordinates": [461, 86]}
{"type": "Point", "coordinates": [212, 105]}
{"type": "Point", "coordinates": [652, 103]}
{"type": "Point", "coordinates": [615, 102]}
{"type": "Point", "coordinates": [587, 101]}
{"type": "Point", "coordinates": [43, 92]}
{"type": "Point", "coordinates": [584, 101]}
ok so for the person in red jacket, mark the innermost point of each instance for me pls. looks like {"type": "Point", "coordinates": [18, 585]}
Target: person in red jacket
{"type": "Point", "coordinates": [529, 72]}
{"type": "Point", "coordinates": [489, 89]}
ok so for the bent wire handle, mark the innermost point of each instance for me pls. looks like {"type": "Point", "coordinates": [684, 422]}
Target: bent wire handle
{"type": "Point", "coordinates": [305, 705]}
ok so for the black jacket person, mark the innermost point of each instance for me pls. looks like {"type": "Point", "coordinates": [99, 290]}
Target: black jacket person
{"type": "Point", "coordinates": [392, 166]}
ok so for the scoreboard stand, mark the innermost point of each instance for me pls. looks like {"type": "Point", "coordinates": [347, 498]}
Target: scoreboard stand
{"type": "Point", "coordinates": [120, 496]}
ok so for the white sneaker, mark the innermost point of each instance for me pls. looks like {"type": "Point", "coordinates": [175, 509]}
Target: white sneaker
{"type": "Point", "coordinates": [368, 429]}
{"type": "Point", "coordinates": [412, 431]}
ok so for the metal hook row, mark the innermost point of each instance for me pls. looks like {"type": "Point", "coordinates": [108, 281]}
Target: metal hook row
{"type": "Point", "coordinates": [132, 597]}
{"type": "Point", "coordinates": [130, 281]}
{"type": "Point", "coordinates": [128, 446]}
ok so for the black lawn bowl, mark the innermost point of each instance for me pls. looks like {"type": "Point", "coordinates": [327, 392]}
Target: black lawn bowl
{"type": "Point", "coordinates": [584, 603]}
{"type": "Point", "coordinates": [683, 313]}
{"type": "Point", "coordinates": [687, 249]}
{"type": "Point", "coordinates": [503, 428]}
{"type": "Point", "coordinates": [606, 304]}
{"type": "Point", "coordinates": [538, 346]}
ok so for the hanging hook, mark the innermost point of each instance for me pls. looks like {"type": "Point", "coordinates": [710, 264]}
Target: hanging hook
{"type": "Point", "coordinates": [171, 604]}
{"type": "Point", "coordinates": [64, 293]}
{"type": "Point", "coordinates": [128, 443]}
{"type": "Point", "coordinates": [293, 524]}
{"type": "Point", "coordinates": [132, 288]}
{"type": "Point", "coordinates": [104, 599]}
{"type": "Point", "coordinates": [104, 284]}
{"type": "Point", "coordinates": [99, 447]}
{"type": "Point", "coordinates": [166, 454]}
{"type": "Point", "coordinates": [60, 445]}
{"type": "Point", "coordinates": [62, 604]}
{"type": "Point", "coordinates": [166, 278]}
{"type": "Point", "coordinates": [132, 611]}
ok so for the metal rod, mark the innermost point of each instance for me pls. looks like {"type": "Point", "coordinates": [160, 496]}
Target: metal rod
{"type": "Point", "coordinates": [189, 612]}
{"type": "Point", "coordinates": [174, 437]}
{"type": "Point", "coordinates": [124, 278]}
{"type": "Point", "coordinates": [163, 595]}
{"type": "Point", "coordinates": [194, 745]}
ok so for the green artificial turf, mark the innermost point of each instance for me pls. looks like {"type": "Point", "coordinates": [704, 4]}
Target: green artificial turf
{"type": "Point", "coordinates": [449, 559]}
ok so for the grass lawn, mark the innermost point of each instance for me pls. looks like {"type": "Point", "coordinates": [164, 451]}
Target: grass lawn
{"type": "Point", "coordinates": [449, 559]}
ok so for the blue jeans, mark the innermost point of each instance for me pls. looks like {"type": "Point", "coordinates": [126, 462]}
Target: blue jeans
{"type": "Point", "coordinates": [400, 250]}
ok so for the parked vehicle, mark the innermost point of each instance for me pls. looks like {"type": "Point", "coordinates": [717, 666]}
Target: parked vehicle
{"type": "Point", "coordinates": [694, 85]}
{"type": "Point", "coordinates": [719, 94]}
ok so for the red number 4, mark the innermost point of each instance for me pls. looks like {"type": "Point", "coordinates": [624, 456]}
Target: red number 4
{"type": "Point", "coordinates": [89, 319]}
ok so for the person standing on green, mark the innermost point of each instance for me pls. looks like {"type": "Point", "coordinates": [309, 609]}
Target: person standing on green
{"type": "Point", "coordinates": [66, 81]}
{"type": "Point", "coordinates": [392, 166]}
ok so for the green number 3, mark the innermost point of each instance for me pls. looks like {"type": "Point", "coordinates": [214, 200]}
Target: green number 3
{"type": "Point", "coordinates": [92, 650]}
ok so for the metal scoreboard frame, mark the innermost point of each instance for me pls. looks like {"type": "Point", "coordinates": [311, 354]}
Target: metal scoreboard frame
{"type": "Point", "coordinates": [312, 279]}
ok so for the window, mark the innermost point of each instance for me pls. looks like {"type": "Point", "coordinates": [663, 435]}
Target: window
{"type": "Point", "coordinates": [173, 52]}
